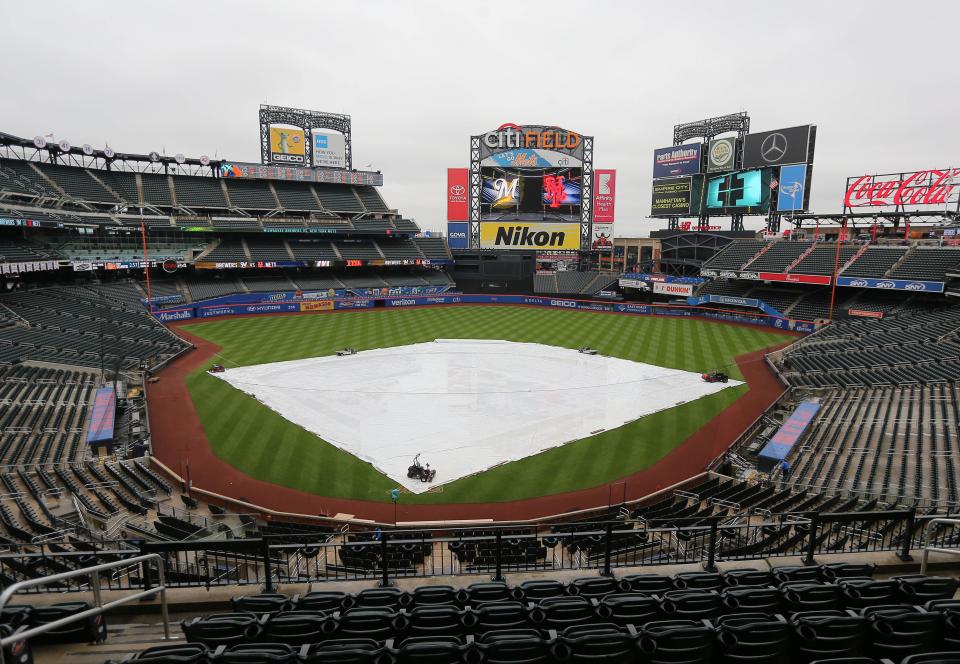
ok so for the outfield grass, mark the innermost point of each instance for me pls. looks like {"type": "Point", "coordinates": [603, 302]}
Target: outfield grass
{"type": "Point", "coordinates": [261, 443]}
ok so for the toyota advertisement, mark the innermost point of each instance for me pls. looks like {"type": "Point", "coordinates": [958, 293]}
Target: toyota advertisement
{"type": "Point", "coordinates": [457, 207]}
{"type": "Point", "coordinates": [793, 145]}
{"type": "Point", "coordinates": [676, 160]}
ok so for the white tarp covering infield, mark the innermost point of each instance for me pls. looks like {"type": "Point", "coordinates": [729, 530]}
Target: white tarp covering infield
{"type": "Point", "coordinates": [466, 405]}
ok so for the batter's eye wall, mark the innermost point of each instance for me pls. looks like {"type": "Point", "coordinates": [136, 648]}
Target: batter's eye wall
{"type": "Point", "coordinates": [494, 271]}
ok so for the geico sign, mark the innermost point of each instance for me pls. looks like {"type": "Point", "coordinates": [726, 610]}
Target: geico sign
{"type": "Point", "coordinates": [494, 235]}
{"type": "Point", "coordinates": [510, 135]}
{"type": "Point", "coordinates": [563, 303]}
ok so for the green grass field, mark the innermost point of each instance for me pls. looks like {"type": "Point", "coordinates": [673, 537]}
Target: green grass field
{"type": "Point", "coordinates": [261, 443]}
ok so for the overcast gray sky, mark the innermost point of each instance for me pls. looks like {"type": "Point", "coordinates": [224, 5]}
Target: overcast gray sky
{"type": "Point", "coordinates": [879, 79]}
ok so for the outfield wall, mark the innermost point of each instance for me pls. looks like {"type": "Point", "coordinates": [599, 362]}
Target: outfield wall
{"type": "Point", "coordinates": [632, 308]}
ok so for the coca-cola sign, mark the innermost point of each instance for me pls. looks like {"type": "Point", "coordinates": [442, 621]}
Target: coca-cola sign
{"type": "Point", "coordinates": [931, 188]}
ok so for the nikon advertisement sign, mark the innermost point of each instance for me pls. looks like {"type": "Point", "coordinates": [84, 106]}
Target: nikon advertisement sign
{"type": "Point", "coordinates": [520, 235]}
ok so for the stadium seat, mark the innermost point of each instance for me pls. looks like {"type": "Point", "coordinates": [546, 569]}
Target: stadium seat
{"type": "Point", "coordinates": [748, 577]}
{"type": "Point", "coordinates": [481, 593]}
{"type": "Point", "coordinates": [513, 646]}
{"type": "Point", "coordinates": [430, 650]}
{"type": "Point", "coordinates": [18, 651]}
{"type": "Point", "coordinates": [596, 586]}
{"type": "Point", "coordinates": [263, 603]}
{"type": "Point", "coordinates": [561, 612]}
{"type": "Point", "coordinates": [753, 637]}
{"type": "Point", "coordinates": [628, 609]}
{"type": "Point", "coordinates": [538, 589]}
{"type": "Point", "coordinates": [919, 589]}
{"type": "Point", "coordinates": [677, 642]}
{"type": "Point", "coordinates": [698, 581]}
{"type": "Point", "coordinates": [592, 643]}
{"type": "Point", "coordinates": [895, 635]}
{"type": "Point", "coordinates": [328, 600]}
{"type": "Point", "coordinates": [690, 604]}
{"type": "Point", "coordinates": [952, 657]}
{"type": "Point", "coordinates": [802, 596]}
{"type": "Point", "coordinates": [222, 629]}
{"type": "Point", "coordinates": [92, 629]}
{"type": "Point", "coordinates": [342, 651]}
{"type": "Point", "coordinates": [181, 653]}
{"type": "Point", "coordinates": [434, 595]}
{"type": "Point", "coordinates": [438, 620]}
{"type": "Point", "coordinates": [751, 599]}
{"type": "Point", "coordinates": [256, 653]}
{"type": "Point", "coordinates": [646, 583]}
{"type": "Point", "coordinates": [828, 634]}
{"type": "Point", "coordinates": [373, 623]}
{"type": "Point", "coordinates": [292, 627]}
{"type": "Point", "coordinates": [861, 593]}
{"type": "Point", "coordinates": [497, 616]}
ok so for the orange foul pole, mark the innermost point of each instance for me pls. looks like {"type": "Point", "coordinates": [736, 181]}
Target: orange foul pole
{"type": "Point", "coordinates": [836, 266]}
{"type": "Point", "coordinates": [146, 264]}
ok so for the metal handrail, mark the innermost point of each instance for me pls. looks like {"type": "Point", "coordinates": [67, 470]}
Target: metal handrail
{"type": "Point", "coordinates": [926, 547]}
{"type": "Point", "coordinates": [100, 607]}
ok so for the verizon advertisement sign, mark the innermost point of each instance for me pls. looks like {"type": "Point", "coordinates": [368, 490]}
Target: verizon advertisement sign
{"type": "Point", "coordinates": [457, 208]}
{"type": "Point", "coordinates": [931, 188]}
{"type": "Point", "coordinates": [677, 290]}
{"type": "Point", "coordinates": [604, 195]}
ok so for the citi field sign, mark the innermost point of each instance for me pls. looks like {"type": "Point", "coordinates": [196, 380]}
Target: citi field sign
{"type": "Point", "coordinates": [510, 136]}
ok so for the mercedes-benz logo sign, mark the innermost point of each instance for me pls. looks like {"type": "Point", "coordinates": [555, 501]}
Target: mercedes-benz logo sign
{"type": "Point", "coordinates": [457, 190]}
{"type": "Point", "coordinates": [773, 148]}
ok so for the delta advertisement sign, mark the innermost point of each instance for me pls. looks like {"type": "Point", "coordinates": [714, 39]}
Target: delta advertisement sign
{"type": "Point", "coordinates": [916, 189]}
{"type": "Point", "coordinates": [914, 285]}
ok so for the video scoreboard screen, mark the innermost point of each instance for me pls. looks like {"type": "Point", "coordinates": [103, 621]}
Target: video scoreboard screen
{"type": "Point", "coordinates": [531, 194]}
{"type": "Point", "coordinates": [743, 192]}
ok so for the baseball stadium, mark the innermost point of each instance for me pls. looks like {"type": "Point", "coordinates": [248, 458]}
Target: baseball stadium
{"type": "Point", "coordinates": [252, 412]}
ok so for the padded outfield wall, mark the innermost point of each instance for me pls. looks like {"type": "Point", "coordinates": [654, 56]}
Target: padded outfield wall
{"type": "Point", "coordinates": [272, 305]}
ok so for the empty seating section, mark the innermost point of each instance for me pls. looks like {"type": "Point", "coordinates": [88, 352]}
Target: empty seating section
{"type": "Point", "coordinates": [722, 287]}
{"type": "Point", "coordinates": [156, 190]}
{"type": "Point", "coordinates": [338, 198]}
{"type": "Point", "coordinates": [198, 192]}
{"type": "Point", "coordinates": [358, 249]}
{"type": "Point", "coordinates": [372, 225]}
{"type": "Point", "coordinates": [78, 183]}
{"type": "Point", "coordinates": [823, 258]}
{"type": "Point", "coordinates": [295, 196]}
{"type": "Point", "coordinates": [399, 249]}
{"type": "Point", "coordinates": [267, 284]}
{"type": "Point", "coordinates": [778, 257]}
{"type": "Point", "coordinates": [19, 176]}
{"type": "Point", "coordinates": [121, 183]}
{"type": "Point", "coordinates": [893, 442]}
{"type": "Point", "coordinates": [84, 329]}
{"type": "Point", "coordinates": [229, 250]}
{"type": "Point", "coordinates": [361, 280]}
{"type": "Point", "coordinates": [914, 348]}
{"type": "Point", "coordinates": [250, 194]}
{"type": "Point", "coordinates": [735, 255]}
{"type": "Point", "coordinates": [573, 283]}
{"type": "Point", "coordinates": [16, 251]}
{"type": "Point", "coordinates": [204, 288]}
{"type": "Point", "coordinates": [268, 249]}
{"type": "Point", "coordinates": [109, 248]}
{"type": "Point", "coordinates": [433, 247]}
{"type": "Point", "coordinates": [874, 262]}
{"type": "Point", "coordinates": [371, 199]}
{"type": "Point", "coordinates": [781, 300]}
{"type": "Point", "coordinates": [317, 281]}
{"type": "Point", "coordinates": [788, 615]}
{"type": "Point", "coordinates": [43, 412]}
{"type": "Point", "coordinates": [926, 264]}
{"type": "Point", "coordinates": [312, 250]}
